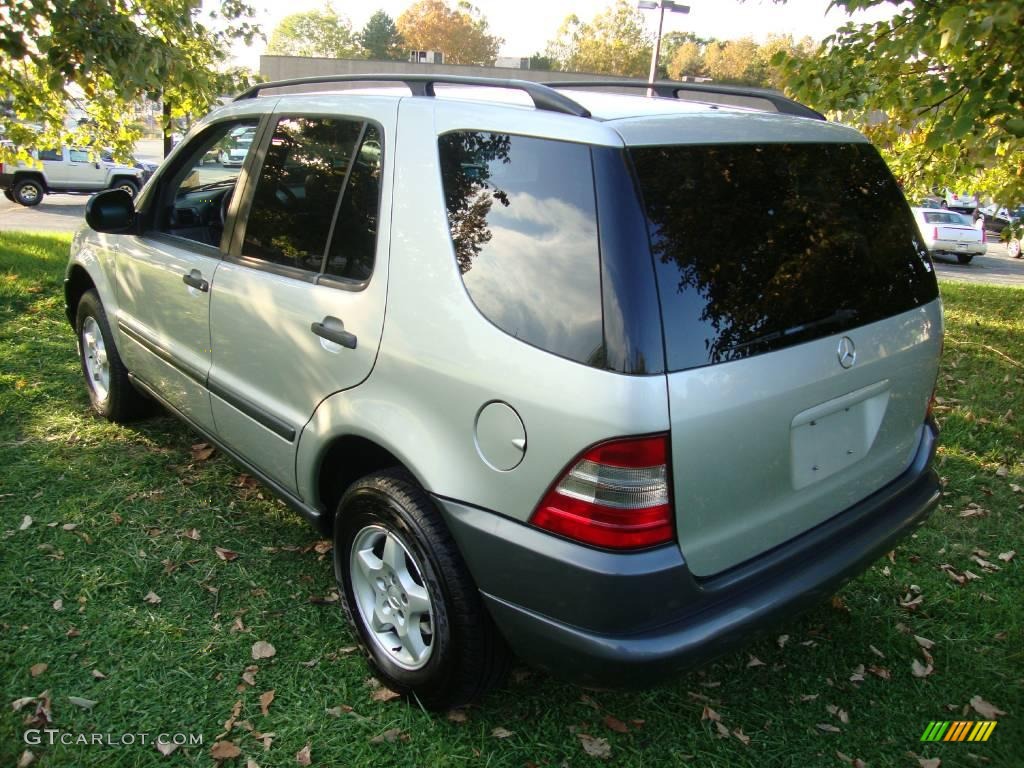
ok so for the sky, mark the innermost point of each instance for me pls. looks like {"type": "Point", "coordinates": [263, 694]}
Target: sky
{"type": "Point", "coordinates": [527, 25]}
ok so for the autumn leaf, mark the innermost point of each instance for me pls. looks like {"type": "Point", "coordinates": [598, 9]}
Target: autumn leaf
{"type": "Point", "coordinates": [225, 554]}
{"type": "Point", "coordinates": [192, 533]}
{"type": "Point", "coordinates": [26, 759]}
{"type": "Point", "coordinates": [1007, 556]}
{"type": "Point", "coordinates": [58, 604]}
{"type": "Point", "coordinates": [613, 723]}
{"type": "Point", "coordinates": [924, 642]}
{"type": "Point", "coordinates": [83, 703]}
{"type": "Point", "coordinates": [249, 674]}
{"type": "Point", "coordinates": [755, 662]}
{"type": "Point", "coordinates": [323, 546]}
{"type": "Point", "coordinates": [37, 669]}
{"type": "Point", "coordinates": [224, 750]}
{"type": "Point", "coordinates": [595, 746]}
{"type": "Point", "coordinates": [709, 714]}
{"type": "Point", "coordinates": [265, 700]}
{"type": "Point", "coordinates": [880, 672]}
{"type": "Point", "coordinates": [836, 712]}
{"type": "Point", "coordinates": [17, 704]}
{"type": "Point", "coordinates": [384, 694]}
{"type": "Point", "coordinates": [98, 675]}
{"type": "Point", "coordinates": [457, 716]}
{"type": "Point", "coordinates": [152, 598]}
{"type": "Point", "coordinates": [929, 762]}
{"type": "Point", "coordinates": [26, 521]}
{"type": "Point", "coordinates": [202, 451]}
{"type": "Point", "coordinates": [743, 738]}
{"type": "Point", "coordinates": [165, 748]}
{"type": "Point", "coordinates": [781, 641]}
{"type": "Point", "coordinates": [921, 670]}
{"type": "Point", "coordinates": [857, 676]}
{"type": "Point", "coordinates": [262, 650]}
{"type": "Point", "coordinates": [501, 733]}
{"type": "Point", "coordinates": [390, 735]}
{"type": "Point", "coordinates": [338, 711]}
{"type": "Point", "coordinates": [828, 728]}
{"type": "Point", "coordinates": [302, 757]}
{"type": "Point", "coordinates": [986, 710]}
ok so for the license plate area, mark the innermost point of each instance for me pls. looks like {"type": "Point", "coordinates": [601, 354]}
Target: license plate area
{"type": "Point", "coordinates": [836, 434]}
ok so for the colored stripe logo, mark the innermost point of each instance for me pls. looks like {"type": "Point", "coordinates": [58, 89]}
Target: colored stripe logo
{"type": "Point", "coordinates": [959, 730]}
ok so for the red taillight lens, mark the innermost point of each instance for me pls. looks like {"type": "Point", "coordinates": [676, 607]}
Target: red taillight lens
{"type": "Point", "coordinates": [615, 495]}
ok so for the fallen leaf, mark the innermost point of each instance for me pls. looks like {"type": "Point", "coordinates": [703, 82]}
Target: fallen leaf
{"type": "Point", "coordinates": [26, 521]}
{"type": "Point", "coordinates": [237, 625]}
{"type": "Point", "coordinates": [323, 546]}
{"type": "Point", "coordinates": [165, 748]}
{"type": "Point", "coordinates": [26, 759]}
{"type": "Point", "coordinates": [615, 724]}
{"type": "Point", "coordinates": [265, 700]}
{"type": "Point", "coordinates": [877, 652]}
{"type": "Point", "coordinates": [384, 694]}
{"type": "Point", "coordinates": [841, 714]}
{"type": "Point", "coordinates": [390, 735]}
{"type": "Point", "coordinates": [202, 451]}
{"type": "Point", "coordinates": [225, 554]}
{"type": "Point", "coordinates": [58, 604]}
{"type": "Point", "coordinates": [924, 642]}
{"type": "Point", "coordinates": [302, 757]}
{"type": "Point", "coordinates": [880, 672]}
{"type": "Point", "coordinates": [98, 675]}
{"type": "Point", "coordinates": [1016, 488]}
{"type": "Point", "coordinates": [986, 710]}
{"type": "Point", "coordinates": [739, 734]}
{"type": "Point", "coordinates": [828, 728]}
{"type": "Point", "coordinates": [152, 598]}
{"type": "Point", "coordinates": [457, 716]}
{"type": "Point", "coordinates": [225, 750]}
{"type": "Point", "coordinates": [69, 526]}
{"type": "Point", "coordinates": [839, 604]}
{"type": "Point", "coordinates": [755, 662]}
{"type": "Point", "coordinates": [984, 563]}
{"type": "Point", "coordinates": [37, 669]}
{"type": "Point", "coordinates": [1002, 471]}
{"type": "Point", "coordinates": [857, 676]}
{"type": "Point", "coordinates": [973, 510]}
{"type": "Point", "coordinates": [723, 732]}
{"type": "Point", "coordinates": [1007, 556]}
{"type": "Point", "coordinates": [192, 533]}
{"type": "Point", "coordinates": [595, 746]}
{"type": "Point", "coordinates": [709, 714]}
{"type": "Point", "coordinates": [17, 704]}
{"type": "Point", "coordinates": [249, 675]}
{"type": "Point", "coordinates": [250, 763]}
{"type": "Point", "coordinates": [72, 632]}
{"type": "Point", "coordinates": [929, 762]}
{"type": "Point", "coordinates": [501, 733]}
{"type": "Point", "coordinates": [809, 696]}
{"type": "Point", "coordinates": [339, 710]}
{"type": "Point", "coordinates": [910, 604]}
{"type": "Point", "coordinates": [262, 650]}
{"type": "Point", "coordinates": [921, 670]}
{"type": "Point", "coordinates": [781, 641]}
{"type": "Point", "coordinates": [948, 569]}
{"type": "Point", "coordinates": [83, 703]}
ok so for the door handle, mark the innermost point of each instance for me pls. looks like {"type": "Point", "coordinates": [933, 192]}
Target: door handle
{"type": "Point", "coordinates": [194, 279]}
{"type": "Point", "coordinates": [332, 329]}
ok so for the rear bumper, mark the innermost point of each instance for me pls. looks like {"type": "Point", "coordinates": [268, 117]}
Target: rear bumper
{"type": "Point", "coordinates": [605, 618]}
{"type": "Point", "coordinates": [953, 247]}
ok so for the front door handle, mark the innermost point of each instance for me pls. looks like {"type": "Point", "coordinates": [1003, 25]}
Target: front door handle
{"type": "Point", "coordinates": [194, 279]}
{"type": "Point", "coordinates": [332, 329]}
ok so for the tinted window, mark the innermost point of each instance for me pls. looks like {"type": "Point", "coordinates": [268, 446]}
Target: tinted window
{"type": "Point", "coordinates": [759, 247]}
{"type": "Point", "coordinates": [297, 191]}
{"type": "Point", "coordinates": [78, 156]}
{"type": "Point", "coordinates": [50, 154]}
{"type": "Point", "coordinates": [196, 195]}
{"type": "Point", "coordinates": [521, 214]}
{"type": "Point", "coordinates": [354, 241]}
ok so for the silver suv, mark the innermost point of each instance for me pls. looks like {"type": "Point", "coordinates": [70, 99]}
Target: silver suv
{"type": "Point", "coordinates": [66, 170]}
{"type": "Point", "coordinates": [606, 381]}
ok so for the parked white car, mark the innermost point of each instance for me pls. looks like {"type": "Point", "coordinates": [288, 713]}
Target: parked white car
{"type": "Point", "coordinates": [949, 233]}
{"type": "Point", "coordinates": [961, 201]}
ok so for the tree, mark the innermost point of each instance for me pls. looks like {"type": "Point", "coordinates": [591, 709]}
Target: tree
{"type": "Point", "coordinates": [616, 42]}
{"type": "Point", "coordinates": [380, 39]}
{"type": "Point", "coordinates": [735, 61]}
{"type": "Point", "coordinates": [320, 33]}
{"type": "Point", "coordinates": [105, 57]}
{"type": "Point", "coordinates": [939, 87]}
{"type": "Point", "coordinates": [460, 33]}
{"type": "Point", "coordinates": [687, 61]}
{"type": "Point", "coordinates": [543, 63]}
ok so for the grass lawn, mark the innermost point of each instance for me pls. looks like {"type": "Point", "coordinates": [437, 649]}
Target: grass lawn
{"type": "Point", "coordinates": [96, 517]}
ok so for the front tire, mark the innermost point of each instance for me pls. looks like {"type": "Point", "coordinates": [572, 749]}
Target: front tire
{"type": "Point", "coordinates": [128, 186]}
{"type": "Point", "coordinates": [110, 390]}
{"type": "Point", "coordinates": [1013, 248]}
{"type": "Point", "coordinates": [28, 192]}
{"type": "Point", "coordinates": [409, 595]}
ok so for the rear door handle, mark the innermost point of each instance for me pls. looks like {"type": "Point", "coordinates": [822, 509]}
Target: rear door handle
{"type": "Point", "coordinates": [194, 279]}
{"type": "Point", "coordinates": [332, 329]}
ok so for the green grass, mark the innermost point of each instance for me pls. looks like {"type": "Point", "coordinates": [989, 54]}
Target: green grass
{"type": "Point", "coordinates": [133, 491]}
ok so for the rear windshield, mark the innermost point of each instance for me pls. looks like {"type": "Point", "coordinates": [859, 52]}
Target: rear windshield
{"type": "Point", "coordinates": [759, 247]}
{"type": "Point", "coordinates": [946, 218]}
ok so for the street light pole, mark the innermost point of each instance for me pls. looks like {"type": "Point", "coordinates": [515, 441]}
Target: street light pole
{"type": "Point", "coordinates": [661, 6]}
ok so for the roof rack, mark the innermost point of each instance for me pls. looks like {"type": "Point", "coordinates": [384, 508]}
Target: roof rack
{"type": "Point", "coordinates": [670, 89]}
{"type": "Point", "coordinates": [543, 96]}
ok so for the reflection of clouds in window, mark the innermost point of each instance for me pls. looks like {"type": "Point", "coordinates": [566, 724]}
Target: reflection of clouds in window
{"type": "Point", "coordinates": [537, 277]}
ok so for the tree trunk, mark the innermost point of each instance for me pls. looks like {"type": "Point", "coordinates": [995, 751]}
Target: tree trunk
{"type": "Point", "coordinates": [168, 140]}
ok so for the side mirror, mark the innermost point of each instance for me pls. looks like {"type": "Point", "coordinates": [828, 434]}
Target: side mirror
{"type": "Point", "coordinates": [111, 211]}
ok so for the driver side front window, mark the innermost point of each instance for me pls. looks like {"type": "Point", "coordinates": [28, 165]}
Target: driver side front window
{"type": "Point", "coordinates": [195, 198]}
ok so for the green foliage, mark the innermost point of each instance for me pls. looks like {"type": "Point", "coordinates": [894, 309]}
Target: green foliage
{"type": "Point", "coordinates": [544, 63]}
{"type": "Point", "coordinates": [939, 87]}
{"type": "Point", "coordinates": [320, 33]}
{"type": "Point", "coordinates": [616, 42]}
{"type": "Point", "coordinates": [460, 33]}
{"type": "Point", "coordinates": [381, 40]}
{"type": "Point", "coordinates": [103, 57]}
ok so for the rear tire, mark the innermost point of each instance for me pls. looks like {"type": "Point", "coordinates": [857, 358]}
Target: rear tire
{"type": "Point", "coordinates": [128, 186]}
{"type": "Point", "coordinates": [406, 589]}
{"type": "Point", "coordinates": [964, 258]}
{"type": "Point", "coordinates": [106, 378]}
{"type": "Point", "coordinates": [28, 192]}
{"type": "Point", "coordinates": [1013, 248]}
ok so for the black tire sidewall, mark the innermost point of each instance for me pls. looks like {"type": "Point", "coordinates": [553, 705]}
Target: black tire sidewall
{"type": "Point", "coordinates": [365, 505]}
{"type": "Point", "coordinates": [27, 183]}
{"type": "Point", "coordinates": [127, 184]}
{"type": "Point", "coordinates": [121, 400]}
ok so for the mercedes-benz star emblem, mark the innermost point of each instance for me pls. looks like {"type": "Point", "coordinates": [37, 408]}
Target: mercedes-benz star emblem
{"type": "Point", "coordinates": [847, 352]}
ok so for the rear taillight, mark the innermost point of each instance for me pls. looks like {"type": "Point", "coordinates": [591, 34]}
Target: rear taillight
{"type": "Point", "coordinates": [935, 234]}
{"type": "Point", "coordinates": [614, 495]}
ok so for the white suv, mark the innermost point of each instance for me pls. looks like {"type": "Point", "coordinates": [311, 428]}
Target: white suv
{"type": "Point", "coordinates": [509, 346]}
{"type": "Point", "coordinates": [66, 170]}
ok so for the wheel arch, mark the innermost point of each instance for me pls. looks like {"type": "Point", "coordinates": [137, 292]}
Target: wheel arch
{"type": "Point", "coordinates": [33, 176]}
{"type": "Point", "coordinates": [76, 284]}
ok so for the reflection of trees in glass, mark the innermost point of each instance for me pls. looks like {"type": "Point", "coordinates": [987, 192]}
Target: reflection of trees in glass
{"type": "Point", "coordinates": [772, 237]}
{"type": "Point", "coordinates": [466, 170]}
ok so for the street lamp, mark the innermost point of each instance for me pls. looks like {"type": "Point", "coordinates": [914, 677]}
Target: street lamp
{"type": "Point", "coordinates": [661, 6]}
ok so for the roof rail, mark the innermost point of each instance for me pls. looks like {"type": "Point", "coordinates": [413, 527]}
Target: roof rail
{"type": "Point", "coordinates": [544, 97]}
{"type": "Point", "coordinates": [670, 89]}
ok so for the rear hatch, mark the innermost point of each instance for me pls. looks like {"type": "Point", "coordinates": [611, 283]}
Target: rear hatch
{"type": "Point", "coordinates": [802, 335]}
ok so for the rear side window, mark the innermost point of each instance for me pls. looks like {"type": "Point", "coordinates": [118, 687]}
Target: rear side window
{"type": "Point", "coordinates": [50, 155]}
{"type": "Point", "coordinates": [297, 191]}
{"type": "Point", "coordinates": [759, 247]}
{"type": "Point", "coordinates": [521, 212]}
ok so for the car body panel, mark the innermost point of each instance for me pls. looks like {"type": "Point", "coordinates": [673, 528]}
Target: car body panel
{"type": "Point", "coordinates": [953, 237]}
